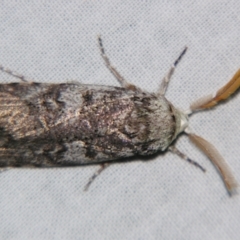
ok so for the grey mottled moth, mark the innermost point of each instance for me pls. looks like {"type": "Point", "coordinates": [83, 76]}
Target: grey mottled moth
{"type": "Point", "coordinates": [45, 125]}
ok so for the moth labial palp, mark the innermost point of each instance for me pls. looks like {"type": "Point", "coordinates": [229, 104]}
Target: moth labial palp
{"type": "Point", "coordinates": [51, 124]}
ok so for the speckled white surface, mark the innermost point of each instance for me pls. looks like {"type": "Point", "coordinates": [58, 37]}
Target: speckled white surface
{"type": "Point", "coordinates": [165, 198]}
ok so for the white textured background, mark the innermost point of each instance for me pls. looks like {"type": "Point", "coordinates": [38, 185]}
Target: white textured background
{"type": "Point", "coordinates": [161, 199]}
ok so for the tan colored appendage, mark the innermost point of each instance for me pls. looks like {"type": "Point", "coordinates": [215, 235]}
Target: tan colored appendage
{"type": "Point", "coordinates": [222, 94]}
{"type": "Point", "coordinates": [217, 160]}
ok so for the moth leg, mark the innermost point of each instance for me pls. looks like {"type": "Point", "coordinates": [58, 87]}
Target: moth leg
{"type": "Point", "coordinates": [222, 94]}
{"type": "Point", "coordinates": [13, 74]}
{"type": "Point", "coordinates": [167, 77]}
{"type": "Point", "coordinates": [97, 173]}
{"type": "Point", "coordinates": [113, 70]}
{"type": "Point", "coordinates": [173, 149]}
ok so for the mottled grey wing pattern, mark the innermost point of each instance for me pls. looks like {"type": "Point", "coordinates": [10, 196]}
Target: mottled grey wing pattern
{"type": "Point", "coordinates": [41, 123]}
{"type": "Point", "coordinates": [64, 124]}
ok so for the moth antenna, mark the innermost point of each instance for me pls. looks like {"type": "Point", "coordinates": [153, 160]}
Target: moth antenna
{"type": "Point", "coordinates": [217, 160]}
{"type": "Point", "coordinates": [173, 149]}
{"type": "Point", "coordinates": [97, 173]}
{"type": "Point", "coordinates": [13, 74]}
{"type": "Point", "coordinates": [222, 94]}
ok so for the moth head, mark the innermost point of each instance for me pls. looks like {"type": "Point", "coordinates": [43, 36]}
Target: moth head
{"type": "Point", "coordinates": [181, 121]}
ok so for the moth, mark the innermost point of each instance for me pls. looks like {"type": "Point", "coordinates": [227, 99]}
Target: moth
{"type": "Point", "coordinates": [65, 124]}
